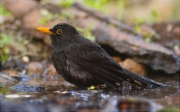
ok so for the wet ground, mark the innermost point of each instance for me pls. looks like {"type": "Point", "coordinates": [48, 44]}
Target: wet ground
{"type": "Point", "coordinates": [53, 94]}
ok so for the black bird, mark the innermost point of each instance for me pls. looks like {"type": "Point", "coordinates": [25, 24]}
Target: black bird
{"type": "Point", "coordinates": [84, 63]}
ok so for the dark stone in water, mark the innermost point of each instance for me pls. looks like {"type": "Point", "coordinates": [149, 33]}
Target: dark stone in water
{"type": "Point", "coordinates": [27, 88]}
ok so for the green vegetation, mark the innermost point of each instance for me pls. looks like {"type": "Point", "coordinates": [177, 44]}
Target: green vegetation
{"type": "Point", "coordinates": [102, 5]}
{"type": "Point", "coordinates": [170, 110]}
{"type": "Point", "coordinates": [66, 3]}
{"type": "Point", "coordinates": [121, 8]}
{"type": "Point", "coordinates": [11, 43]}
{"type": "Point", "coordinates": [3, 11]}
{"type": "Point", "coordinates": [6, 41]}
{"type": "Point", "coordinates": [121, 5]}
{"type": "Point", "coordinates": [96, 4]}
{"type": "Point", "coordinates": [151, 18]}
{"type": "Point", "coordinates": [4, 91]}
{"type": "Point", "coordinates": [148, 34]}
{"type": "Point", "coordinates": [47, 16]}
{"type": "Point", "coordinates": [67, 14]}
{"type": "Point", "coordinates": [87, 32]}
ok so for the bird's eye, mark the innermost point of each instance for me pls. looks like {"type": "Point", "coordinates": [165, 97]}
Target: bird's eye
{"type": "Point", "coordinates": [59, 31]}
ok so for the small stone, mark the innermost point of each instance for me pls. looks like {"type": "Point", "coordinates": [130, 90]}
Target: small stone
{"type": "Point", "coordinates": [176, 31]}
{"type": "Point", "coordinates": [51, 70]}
{"type": "Point", "coordinates": [25, 59]}
{"type": "Point", "coordinates": [35, 68]}
{"type": "Point", "coordinates": [11, 72]}
{"type": "Point", "coordinates": [20, 7]}
{"type": "Point", "coordinates": [116, 58]}
{"type": "Point", "coordinates": [134, 67]}
{"type": "Point", "coordinates": [6, 79]}
{"type": "Point", "coordinates": [35, 82]}
{"type": "Point", "coordinates": [31, 20]}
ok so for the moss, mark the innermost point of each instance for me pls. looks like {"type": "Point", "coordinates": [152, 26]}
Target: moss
{"type": "Point", "coordinates": [170, 110]}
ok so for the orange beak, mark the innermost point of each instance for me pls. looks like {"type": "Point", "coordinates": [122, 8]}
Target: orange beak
{"type": "Point", "coordinates": [45, 30]}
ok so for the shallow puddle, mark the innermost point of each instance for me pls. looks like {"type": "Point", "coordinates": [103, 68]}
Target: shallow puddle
{"type": "Point", "coordinates": [53, 93]}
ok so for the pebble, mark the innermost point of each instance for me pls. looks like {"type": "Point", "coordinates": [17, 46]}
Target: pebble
{"type": "Point", "coordinates": [25, 59]}
{"type": "Point", "coordinates": [134, 67]}
{"type": "Point", "coordinates": [116, 58]}
{"type": "Point", "coordinates": [51, 70]}
{"type": "Point", "coordinates": [34, 68]}
{"type": "Point", "coordinates": [11, 72]}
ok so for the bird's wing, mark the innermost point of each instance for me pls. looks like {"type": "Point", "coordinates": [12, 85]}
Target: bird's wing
{"type": "Point", "coordinates": [94, 60]}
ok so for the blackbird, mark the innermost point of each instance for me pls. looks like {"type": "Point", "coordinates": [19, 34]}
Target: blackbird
{"type": "Point", "coordinates": [84, 63]}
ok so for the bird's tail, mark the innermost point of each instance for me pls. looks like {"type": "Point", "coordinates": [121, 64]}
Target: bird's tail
{"type": "Point", "coordinates": [141, 79]}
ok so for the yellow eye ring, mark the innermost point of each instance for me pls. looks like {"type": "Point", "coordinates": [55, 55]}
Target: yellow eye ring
{"type": "Point", "coordinates": [59, 31]}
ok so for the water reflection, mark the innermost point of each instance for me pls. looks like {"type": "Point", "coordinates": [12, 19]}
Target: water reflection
{"type": "Point", "coordinates": [59, 94]}
{"type": "Point", "coordinates": [16, 96]}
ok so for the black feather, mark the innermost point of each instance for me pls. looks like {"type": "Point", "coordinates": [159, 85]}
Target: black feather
{"type": "Point", "coordinates": [84, 63]}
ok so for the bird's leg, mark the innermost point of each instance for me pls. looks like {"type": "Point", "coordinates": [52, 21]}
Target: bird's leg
{"type": "Point", "coordinates": [126, 87]}
{"type": "Point", "coordinates": [100, 86]}
{"type": "Point", "coordinates": [123, 85]}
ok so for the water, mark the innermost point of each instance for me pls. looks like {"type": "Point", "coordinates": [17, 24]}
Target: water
{"type": "Point", "coordinates": [53, 93]}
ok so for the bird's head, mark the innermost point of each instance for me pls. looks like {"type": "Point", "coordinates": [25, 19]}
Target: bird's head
{"type": "Point", "coordinates": [60, 32]}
